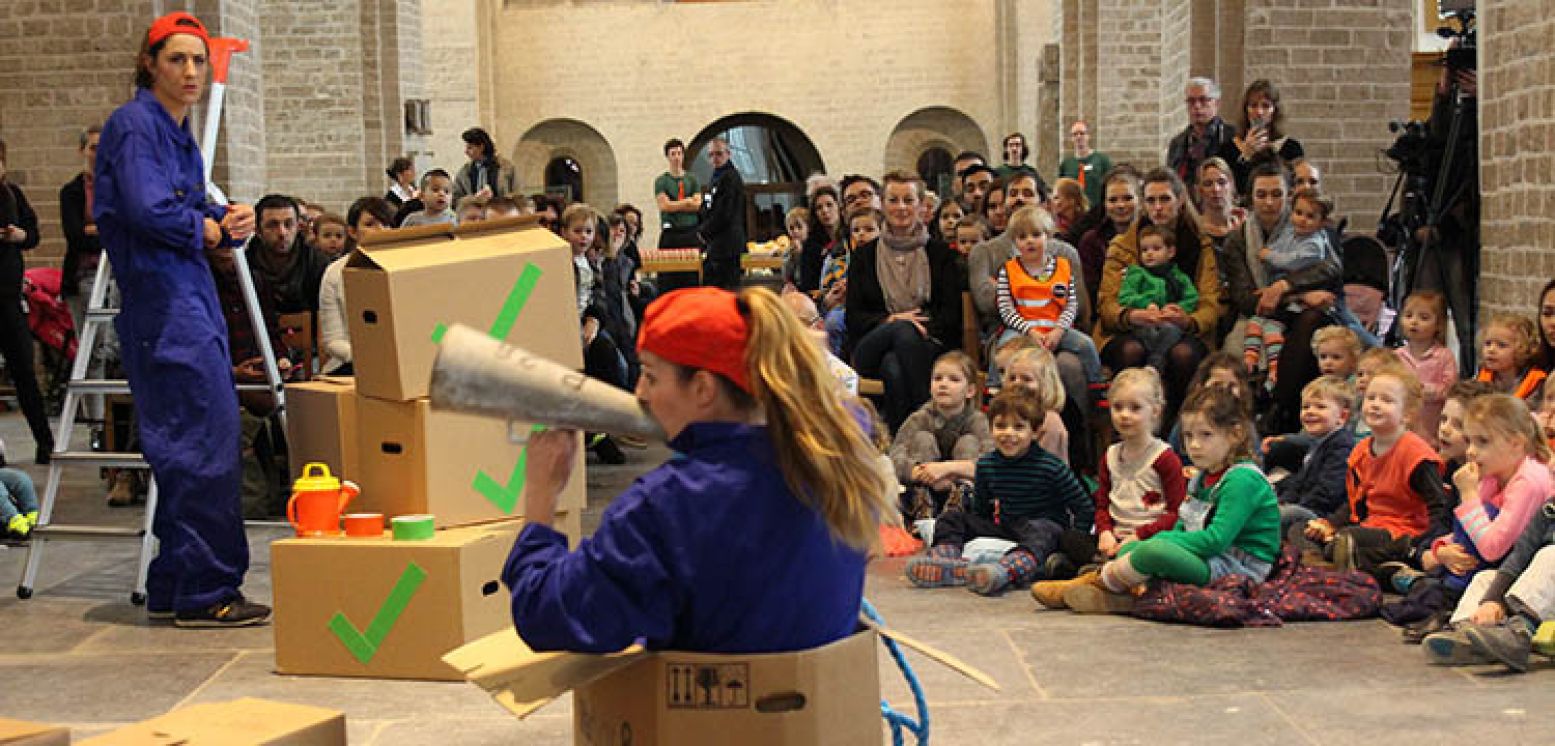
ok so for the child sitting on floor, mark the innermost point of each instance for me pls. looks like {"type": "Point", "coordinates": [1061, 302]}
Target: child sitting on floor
{"type": "Point", "coordinates": [1337, 350]}
{"type": "Point", "coordinates": [1141, 484]}
{"type": "Point", "coordinates": [1367, 366]}
{"type": "Point", "coordinates": [1424, 326]}
{"type": "Point", "coordinates": [936, 448]}
{"type": "Point", "coordinates": [1507, 354]}
{"type": "Point", "coordinates": [1033, 369]}
{"type": "Point", "coordinates": [1317, 488]}
{"type": "Point", "coordinates": [1023, 494]}
{"type": "Point", "coordinates": [1228, 525]}
{"type": "Point", "coordinates": [1223, 371]}
{"type": "Point", "coordinates": [1393, 486]}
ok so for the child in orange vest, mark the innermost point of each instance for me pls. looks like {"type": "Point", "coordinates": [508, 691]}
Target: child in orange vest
{"type": "Point", "coordinates": [1036, 293]}
{"type": "Point", "coordinates": [1507, 352]}
{"type": "Point", "coordinates": [1397, 502]}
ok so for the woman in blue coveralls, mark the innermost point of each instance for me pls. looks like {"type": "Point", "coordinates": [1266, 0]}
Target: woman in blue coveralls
{"type": "Point", "coordinates": [154, 220]}
{"type": "Point", "coordinates": [752, 538]}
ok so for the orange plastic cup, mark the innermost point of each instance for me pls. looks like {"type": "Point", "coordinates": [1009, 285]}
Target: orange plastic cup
{"type": "Point", "coordinates": [364, 524]}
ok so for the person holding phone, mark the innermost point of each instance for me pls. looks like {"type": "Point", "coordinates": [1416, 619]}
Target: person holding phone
{"type": "Point", "coordinates": [1262, 135]}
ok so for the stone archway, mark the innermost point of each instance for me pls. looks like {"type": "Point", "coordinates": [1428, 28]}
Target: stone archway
{"type": "Point", "coordinates": [555, 139]}
{"type": "Point", "coordinates": [928, 128]}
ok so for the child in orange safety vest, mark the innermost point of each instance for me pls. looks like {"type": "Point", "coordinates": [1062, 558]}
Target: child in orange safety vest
{"type": "Point", "coordinates": [1036, 293]}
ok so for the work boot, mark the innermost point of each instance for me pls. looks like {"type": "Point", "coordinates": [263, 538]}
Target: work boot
{"type": "Point", "coordinates": [1050, 593]}
{"type": "Point", "coordinates": [1508, 642]}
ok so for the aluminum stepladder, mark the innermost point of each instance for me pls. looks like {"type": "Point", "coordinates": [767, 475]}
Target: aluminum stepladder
{"type": "Point", "coordinates": [97, 314]}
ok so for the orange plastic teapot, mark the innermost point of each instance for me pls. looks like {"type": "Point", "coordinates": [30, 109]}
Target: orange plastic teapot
{"type": "Point", "coordinates": [318, 500]}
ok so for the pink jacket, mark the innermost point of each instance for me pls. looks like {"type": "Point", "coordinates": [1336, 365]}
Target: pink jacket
{"type": "Point", "coordinates": [1517, 499]}
{"type": "Point", "coordinates": [1437, 370]}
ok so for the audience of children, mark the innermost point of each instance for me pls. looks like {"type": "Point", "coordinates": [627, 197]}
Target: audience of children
{"type": "Point", "coordinates": [1156, 283]}
{"type": "Point", "coordinates": [1022, 493]}
{"type": "Point", "coordinates": [936, 449]}
{"type": "Point", "coordinates": [1424, 329]}
{"type": "Point", "coordinates": [1229, 523]}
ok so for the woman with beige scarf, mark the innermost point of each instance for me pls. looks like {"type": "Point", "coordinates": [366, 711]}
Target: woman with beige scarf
{"type": "Point", "coordinates": [904, 301]}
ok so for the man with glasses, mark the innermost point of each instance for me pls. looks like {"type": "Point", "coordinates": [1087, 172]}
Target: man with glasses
{"type": "Point", "coordinates": [723, 219]}
{"type": "Point", "coordinates": [1087, 166]}
{"type": "Point", "coordinates": [1206, 135]}
{"type": "Point", "coordinates": [858, 192]}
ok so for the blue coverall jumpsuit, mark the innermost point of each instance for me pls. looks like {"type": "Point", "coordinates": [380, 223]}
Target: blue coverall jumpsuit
{"type": "Point", "coordinates": [150, 210]}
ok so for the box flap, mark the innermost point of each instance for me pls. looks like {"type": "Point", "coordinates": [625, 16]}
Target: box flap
{"type": "Point", "coordinates": [523, 680]}
{"type": "Point", "coordinates": [23, 733]}
{"type": "Point", "coordinates": [242, 722]}
{"type": "Point", "coordinates": [436, 250]}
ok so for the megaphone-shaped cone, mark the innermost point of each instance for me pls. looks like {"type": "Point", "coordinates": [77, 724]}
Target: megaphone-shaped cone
{"type": "Point", "coordinates": [476, 374]}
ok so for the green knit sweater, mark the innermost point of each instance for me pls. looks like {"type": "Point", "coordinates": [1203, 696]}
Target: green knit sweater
{"type": "Point", "coordinates": [1242, 513]}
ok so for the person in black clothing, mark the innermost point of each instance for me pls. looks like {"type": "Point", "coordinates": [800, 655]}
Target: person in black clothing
{"type": "Point", "coordinates": [18, 233]}
{"type": "Point", "coordinates": [291, 267]}
{"type": "Point", "coordinates": [402, 175]}
{"type": "Point", "coordinates": [1206, 135]}
{"type": "Point", "coordinates": [723, 220]}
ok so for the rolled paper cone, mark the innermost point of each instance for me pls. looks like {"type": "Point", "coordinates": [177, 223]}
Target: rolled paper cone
{"type": "Point", "coordinates": [477, 374]}
{"type": "Point", "coordinates": [413, 527]}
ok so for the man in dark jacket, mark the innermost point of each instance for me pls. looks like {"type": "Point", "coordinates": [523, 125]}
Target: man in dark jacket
{"type": "Point", "coordinates": [75, 217]}
{"type": "Point", "coordinates": [291, 267]}
{"type": "Point", "coordinates": [723, 220]}
{"type": "Point", "coordinates": [1206, 136]}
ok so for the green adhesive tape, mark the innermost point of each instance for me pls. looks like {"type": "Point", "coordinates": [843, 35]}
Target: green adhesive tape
{"type": "Point", "coordinates": [412, 527]}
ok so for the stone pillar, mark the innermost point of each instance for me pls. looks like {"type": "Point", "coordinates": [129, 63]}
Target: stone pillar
{"type": "Point", "coordinates": [1142, 66]}
{"type": "Point", "coordinates": [1517, 154]}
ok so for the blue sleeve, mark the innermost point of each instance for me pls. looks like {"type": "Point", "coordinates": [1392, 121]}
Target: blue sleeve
{"type": "Point", "coordinates": [143, 194]}
{"type": "Point", "coordinates": [616, 588]}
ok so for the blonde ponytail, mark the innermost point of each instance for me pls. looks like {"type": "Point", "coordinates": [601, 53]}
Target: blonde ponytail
{"type": "Point", "coordinates": [825, 457]}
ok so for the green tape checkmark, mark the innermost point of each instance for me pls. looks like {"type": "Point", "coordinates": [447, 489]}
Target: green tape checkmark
{"type": "Point", "coordinates": [505, 496]}
{"type": "Point", "coordinates": [365, 645]}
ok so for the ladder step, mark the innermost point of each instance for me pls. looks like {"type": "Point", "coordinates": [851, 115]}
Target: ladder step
{"type": "Point", "coordinates": [102, 313]}
{"type": "Point", "coordinates": [100, 386]}
{"type": "Point", "coordinates": [106, 458]}
{"type": "Point", "coordinates": [62, 531]}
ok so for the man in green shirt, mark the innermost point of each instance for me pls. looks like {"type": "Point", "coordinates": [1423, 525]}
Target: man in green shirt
{"type": "Point", "coordinates": [1086, 166]}
{"type": "Point", "coordinates": [1015, 154]}
{"type": "Point", "coordinates": [679, 196]}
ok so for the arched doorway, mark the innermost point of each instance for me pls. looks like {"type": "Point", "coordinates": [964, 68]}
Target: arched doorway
{"type": "Point", "coordinates": [560, 155]}
{"type": "Point", "coordinates": [933, 128]}
{"type": "Point", "coordinates": [564, 175]}
{"type": "Point", "coordinates": [774, 158]}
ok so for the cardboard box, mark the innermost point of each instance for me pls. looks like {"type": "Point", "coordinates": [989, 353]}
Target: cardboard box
{"type": "Point", "coordinates": [241, 722]}
{"type": "Point", "coordinates": [459, 468]}
{"type": "Point", "coordinates": [826, 695]}
{"type": "Point", "coordinates": [509, 277]}
{"type": "Point", "coordinates": [388, 609]}
{"type": "Point", "coordinates": [321, 425]}
{"type": "Point", "coordinates": [23, 733]}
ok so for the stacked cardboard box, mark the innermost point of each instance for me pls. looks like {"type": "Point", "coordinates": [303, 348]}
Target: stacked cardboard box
{"type": "Point", "coordinates": [405, 287]}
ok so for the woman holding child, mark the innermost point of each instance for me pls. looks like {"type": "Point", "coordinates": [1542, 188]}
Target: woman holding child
{"type": "Point", "coordinates": [1167, 207]}
{"type": "Point", "coordinates": [904, 301]}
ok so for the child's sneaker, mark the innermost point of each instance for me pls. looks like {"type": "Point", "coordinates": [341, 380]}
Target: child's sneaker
{"type": "Point", "coordinates": [18, 528]}
{"type": "Point", "coordinates": [32, 518]}
{"type": "Point", "coordinates": [937, 572]}
{"type": "Point", "coordinates": [1451, 647]}
{"type": "Point", "coordinates": [1508, 642]}
{"type": "Point", "coordinates": [233, 612]}
{"type": "Point", "coordinates": [987, 578]}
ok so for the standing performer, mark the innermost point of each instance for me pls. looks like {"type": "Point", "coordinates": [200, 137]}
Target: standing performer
{"type": "Point", "coordinates": [753, 539]}
{"type": "Point", "coordinates": [155, 222]}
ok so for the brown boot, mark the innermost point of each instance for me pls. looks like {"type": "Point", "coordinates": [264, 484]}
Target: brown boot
{"type": "Point", "coordinates": [120, 490]}
{"type": "Point", "coordinates": [1050, 593]}
{"type": "Point", "coordinates": [1094, 598]}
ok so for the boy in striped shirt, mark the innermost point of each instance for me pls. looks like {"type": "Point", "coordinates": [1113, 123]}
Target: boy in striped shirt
{"type": "Point", "coordinates": [1023, 494]}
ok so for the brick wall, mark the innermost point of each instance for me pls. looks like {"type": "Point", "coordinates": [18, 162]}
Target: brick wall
{"type": "Point", "coordinates": [1517, 153]}
{"type": "Point", "coordinates": [240, 148]}
{"type": "Point", "coordinates": [63, 66]}
{"type": "Point", "coordinates": [1342, 67]}
{"type": "Point", "coordinates": [1142, 62]}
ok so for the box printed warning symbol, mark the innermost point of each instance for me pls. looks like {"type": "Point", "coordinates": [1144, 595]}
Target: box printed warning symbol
{"type": "Point", "coordinates": [708, 686]}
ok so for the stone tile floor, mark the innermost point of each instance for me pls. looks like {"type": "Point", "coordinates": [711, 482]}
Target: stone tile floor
{"type": "Point", "coordinates": [77, 653]}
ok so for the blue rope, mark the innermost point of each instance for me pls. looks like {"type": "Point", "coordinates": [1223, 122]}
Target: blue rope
{"type": "Point", "coordinates": [899, 721]}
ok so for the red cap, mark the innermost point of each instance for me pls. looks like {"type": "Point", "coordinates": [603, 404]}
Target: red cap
{"type": "Point", "coordinates": [176, 23]}
{"type": "Point", "coordinates": [698, 328]}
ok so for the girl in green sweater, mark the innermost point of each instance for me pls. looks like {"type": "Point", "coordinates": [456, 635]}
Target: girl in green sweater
{"type": "Point", "coordinates": [1228, 525]}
